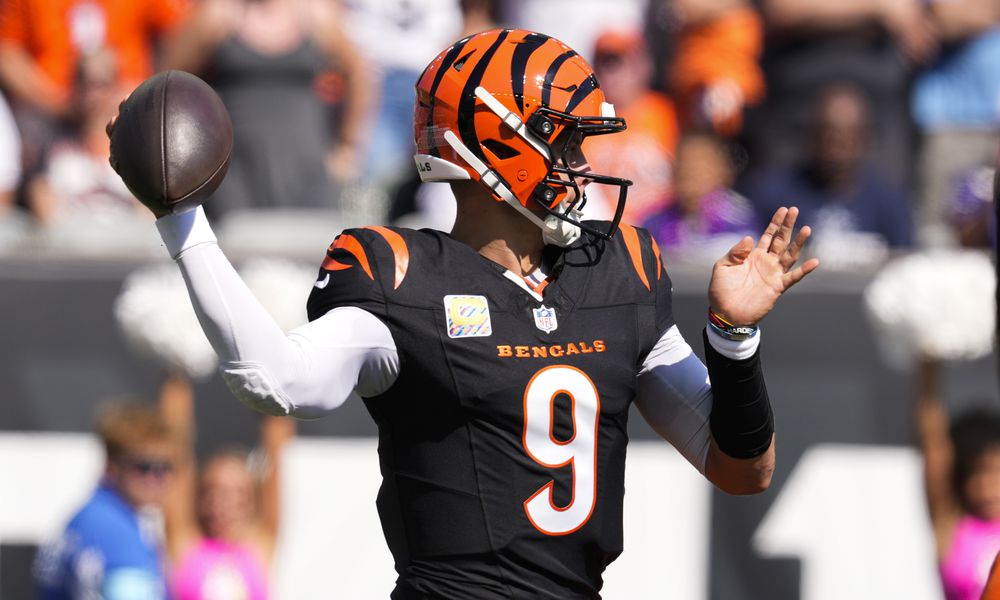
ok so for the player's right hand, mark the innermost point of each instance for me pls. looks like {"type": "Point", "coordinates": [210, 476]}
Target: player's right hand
{"type": "Point", "coordinates": [749, 279]}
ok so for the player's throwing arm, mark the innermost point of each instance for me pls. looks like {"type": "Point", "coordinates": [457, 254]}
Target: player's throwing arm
{"type": "Point", "coordinates": [171, 144]}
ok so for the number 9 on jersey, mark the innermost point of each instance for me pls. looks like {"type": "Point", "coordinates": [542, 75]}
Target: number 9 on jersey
{"type": "Point", "coordinates": [579, 451]}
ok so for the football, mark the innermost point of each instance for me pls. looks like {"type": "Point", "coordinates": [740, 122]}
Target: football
{"type": "Point", "coordinates": [171, 142]}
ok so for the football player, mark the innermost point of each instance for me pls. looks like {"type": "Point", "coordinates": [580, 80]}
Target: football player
{"type": "Point", "coordinates": [499, 361]}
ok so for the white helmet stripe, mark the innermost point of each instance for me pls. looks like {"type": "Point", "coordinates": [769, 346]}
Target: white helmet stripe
{"type": "Point", "coordinates": [489, 178]}
{"type": "Point", "coordinates": [513, 121]}
{"type": "Point", "coordinates": [432, 168]}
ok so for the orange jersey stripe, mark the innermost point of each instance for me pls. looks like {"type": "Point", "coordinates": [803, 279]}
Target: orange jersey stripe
{"type": "Point", "coordinates": [631, 238]}
{"type": "Point", "coordinates": [331, 265]}
{"type": "Point", "coordinates": [659, 263]}
{"type": "Point", "coordinates": [399, 251]}
{"type": "Point", "coordinates": [539, 287]}
{"type": "Point", "coordinates": [348, 243]}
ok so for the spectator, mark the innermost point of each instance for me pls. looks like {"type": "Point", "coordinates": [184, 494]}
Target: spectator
{"type": "Point", "coordinates": [577, 23]}
{"type": "Point", "coordinates": [416, 204]}
{"type": "Point", "coordinates": [855, 211]}
{"type": "Point", "coordinates": [643, 152]}
{"type": "Point", "coordinates": [263, 58]}
{"type": "Point", "coordinates": [41, 41]}
{"type": "Point", "coordinates": [479, 15]}
{"type": "Point", "coordinates": [715, 71]}
{"type": "Point", "coordinates": [399, 38]}
{"type": "Point", "coordinates": [222, 523]}
{"type": "Point", "coordinates": [870, 43]}
{"type": "Point", "coordinates": [962, 479]}
{"type": "Point", "coordinates": [705, 214]}
{"type": "Point", "coordinates": [970, 210]}
{"type": "Point", "coordinates": [10, 150]}
{"type": "Point", "coordinates": [955, 105]}
{"type": "Point", "coordinates": [111, 547]}
{"type": "Point", "coordinates": [76, 181]}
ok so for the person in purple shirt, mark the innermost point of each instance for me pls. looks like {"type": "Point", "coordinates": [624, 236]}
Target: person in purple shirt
{"type": "Point", "coordinates": [851, 207]}
{"type": "Point", "coordinates": [112, 547]}
{"type": "Point", "coordinates": [704, 214]}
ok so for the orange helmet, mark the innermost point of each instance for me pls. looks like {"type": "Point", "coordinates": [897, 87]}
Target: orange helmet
{"type": "Point", "coordinates": [510, 109]}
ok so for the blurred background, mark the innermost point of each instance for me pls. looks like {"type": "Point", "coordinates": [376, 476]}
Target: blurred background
{"type": "Point", "coordinates": [878, 118]}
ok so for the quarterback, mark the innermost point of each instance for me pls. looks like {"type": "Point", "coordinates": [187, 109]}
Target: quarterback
{"type": "Point", "coordinates": [500, 360]}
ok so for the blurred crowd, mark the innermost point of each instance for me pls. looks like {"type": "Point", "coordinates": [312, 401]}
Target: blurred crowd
{"type": "Point", "coordinates": [878, 118]}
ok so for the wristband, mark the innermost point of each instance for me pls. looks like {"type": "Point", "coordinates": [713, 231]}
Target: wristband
{"type": "Point", "coordinates": [729, 331]}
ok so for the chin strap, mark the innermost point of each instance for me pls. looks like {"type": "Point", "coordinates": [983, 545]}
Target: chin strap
{"type": "Point", "coordinates": [559, 232]}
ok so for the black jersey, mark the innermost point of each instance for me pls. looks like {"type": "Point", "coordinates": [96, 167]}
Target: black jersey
{"type": "Point", "coordinates": [502, 442]}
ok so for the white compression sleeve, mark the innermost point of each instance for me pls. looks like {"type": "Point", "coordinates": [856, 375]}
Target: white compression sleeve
{"type": "Point", "coordinates": [674, 393]}
{"type": "Point", "coordinates": [306, 373]}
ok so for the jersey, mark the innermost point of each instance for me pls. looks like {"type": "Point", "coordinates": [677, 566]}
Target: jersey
{"type": "Point", "coordinates": [966, 567]}
{"type": "Point", "coordinates": [106, 551]}
{"type": "Point", "coordinates": [218, 568]}
{"type": "Point", "coordinates": [502, 441]}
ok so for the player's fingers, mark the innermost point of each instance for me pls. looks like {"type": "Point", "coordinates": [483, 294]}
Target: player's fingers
{"type": "Point", "coordinates": [739, 253]}
{"type": "Point", "coordinates": [782, 237]}
{"type": "Point", "coordinates": [796, 275]}
{"type": "Point", "coordinates": [794, 248]}
{"type": "Point", "coordinates": [765, 239]}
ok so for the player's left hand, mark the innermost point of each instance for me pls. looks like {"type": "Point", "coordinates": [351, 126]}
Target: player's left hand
{"type": "Point", "coordinates": [748, 280]}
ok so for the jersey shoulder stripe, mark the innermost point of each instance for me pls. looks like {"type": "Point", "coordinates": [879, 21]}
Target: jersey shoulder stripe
{"type": "Point", "coordinates": [400, 252]}
{"type": "Point", "coordinates": [356, 271]}
{"type": "Point", "coordinates": [656, 253]}
{"type": "Point", "coordinates": [370, 248]}
{"type": "Point", "coordinates": [641, 255]}
{"type": "Point", "coordinates": [631, 239]}
{"type": "Point", "coordinates": [346, 243]}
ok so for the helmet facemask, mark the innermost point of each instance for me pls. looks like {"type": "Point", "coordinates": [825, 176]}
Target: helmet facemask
{"type": "Point", "coordinates": [561, 193]}
{"type": "Point", "coordinates": [557, 137]}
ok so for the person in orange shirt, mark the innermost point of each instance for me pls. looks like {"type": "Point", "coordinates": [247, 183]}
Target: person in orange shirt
{"type": "Point", "coordinates": [643, 152]}
{"type": "Point", "coordinates": [42, 40]}
{"type": "Point", "coordinates": [716, 70]}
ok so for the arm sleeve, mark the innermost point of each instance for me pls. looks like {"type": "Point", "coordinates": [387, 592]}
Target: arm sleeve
{"type": "Point", "coordinates": [675, 397]}
{"type": "Point", "coordinates": [674, 394]}
{"type": "Point", "coordinates": [306, 373]}
{"type": "Point", "coordinates": [742, 422]}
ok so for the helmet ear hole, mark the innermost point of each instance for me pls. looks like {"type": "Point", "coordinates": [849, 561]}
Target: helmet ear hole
{"type": "Point", "coordinates": [541, 125]}
{"type": "Point", "coordinates": [499, 149]}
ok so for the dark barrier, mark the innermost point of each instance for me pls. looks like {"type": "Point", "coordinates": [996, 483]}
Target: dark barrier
{"type": "Point", "coordinates": [61, 355]}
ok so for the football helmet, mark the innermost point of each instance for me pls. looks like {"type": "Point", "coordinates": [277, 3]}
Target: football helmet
{"type": "Point", "coordinates": [510, 109]}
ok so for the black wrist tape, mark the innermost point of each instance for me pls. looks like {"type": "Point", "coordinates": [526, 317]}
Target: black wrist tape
{"type": "Point", "coordinates": [741, 420]}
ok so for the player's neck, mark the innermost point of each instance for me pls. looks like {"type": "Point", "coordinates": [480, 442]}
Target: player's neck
{"type": "Point", "coordinates": [497, 231]}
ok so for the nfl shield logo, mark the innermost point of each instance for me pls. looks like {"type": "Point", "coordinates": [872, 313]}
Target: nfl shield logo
{"type": "Point", "coordinates": [545, 319]}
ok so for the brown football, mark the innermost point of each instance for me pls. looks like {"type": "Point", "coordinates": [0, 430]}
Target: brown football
{"type": "Point", "coordinates": [172, 141]}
